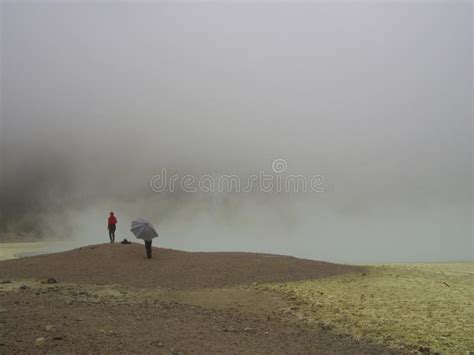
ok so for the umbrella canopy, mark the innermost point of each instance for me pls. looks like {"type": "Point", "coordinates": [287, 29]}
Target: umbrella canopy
{"type": "Point", "coordinates": [143, 229]}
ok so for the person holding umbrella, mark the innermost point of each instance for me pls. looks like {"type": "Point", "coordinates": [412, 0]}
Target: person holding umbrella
{"type": "Point", "coordinates": [143, 229]}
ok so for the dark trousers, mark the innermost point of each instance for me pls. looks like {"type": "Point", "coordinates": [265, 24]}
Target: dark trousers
{"type": "Point", "coordinates": [148, 248]}
{"type": "Point", "coordinates": [112, 233]}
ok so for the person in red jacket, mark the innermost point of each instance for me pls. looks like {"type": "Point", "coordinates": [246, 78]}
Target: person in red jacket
{"type": "Point", "coordinates": [112, 222]}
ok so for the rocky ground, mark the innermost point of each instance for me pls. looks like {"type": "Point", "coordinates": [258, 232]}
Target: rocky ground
{"type": "Point", "coordinates": [174, 269]}
{"type": "Point", "coordinates": [109, 299]}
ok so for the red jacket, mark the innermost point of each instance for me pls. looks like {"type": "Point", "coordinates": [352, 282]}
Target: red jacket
{"type": "Point", "coordinates": [112, 220]}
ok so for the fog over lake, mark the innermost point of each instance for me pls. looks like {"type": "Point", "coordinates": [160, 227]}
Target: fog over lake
{"type": "Point", "coordinates": [373, 99]}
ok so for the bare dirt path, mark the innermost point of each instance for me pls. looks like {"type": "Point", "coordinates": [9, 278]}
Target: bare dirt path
{"type": "Point", "coordinates": [54, 321]}
{"type": "Point", "coordinates": [155, 313]}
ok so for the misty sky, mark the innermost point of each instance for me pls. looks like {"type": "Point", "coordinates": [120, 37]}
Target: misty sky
{"type": "Point", "coordinates": [377, 98]}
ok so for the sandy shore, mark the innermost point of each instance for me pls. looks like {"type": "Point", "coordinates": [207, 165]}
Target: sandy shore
{"type": "Point", "coordinates": [13, 250]}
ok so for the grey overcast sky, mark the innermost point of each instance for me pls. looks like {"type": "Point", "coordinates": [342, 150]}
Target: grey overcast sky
{"type": "Point", "coordinates": [97, 97]}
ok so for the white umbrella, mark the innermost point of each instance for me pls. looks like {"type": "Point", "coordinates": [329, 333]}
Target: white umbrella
{"type": "Point", "coordinates": [143, 229]}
